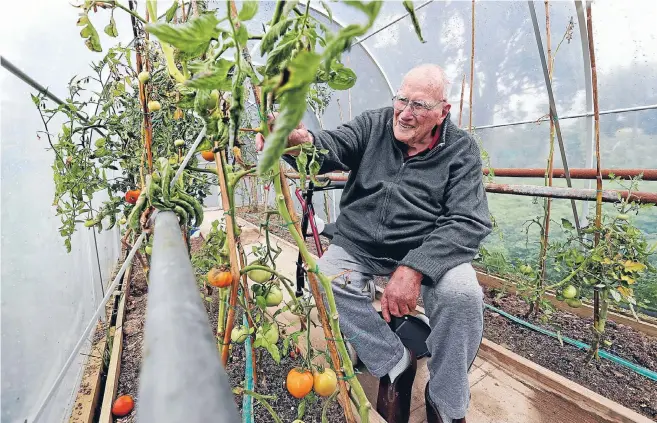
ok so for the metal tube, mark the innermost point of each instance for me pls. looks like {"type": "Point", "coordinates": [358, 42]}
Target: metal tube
{"type": "Point", "coordinates": [588, 87]}
{"type": "Point", "coordinates": [391, 23]}
{"type": "Point", "coordinates": [575, 173]}
{"type": "Point", "coordinates": [182, 379]}
{"type": "Point", "coordinates": [578, 115]}
{"type": "Point", "coordinates": [553, 106]}
{"type": "Point", "coordinates": [608, 195]}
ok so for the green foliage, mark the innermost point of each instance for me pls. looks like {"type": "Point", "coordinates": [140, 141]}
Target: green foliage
{"type": "Point", "coordinates": [89, 33]}
{"type": "Point", "coordinates": [292, 96]}
{"type": "Point", "coordinates": [249, 10]}
{"type": "Point", "coordinates": [408, 5]}
{"type": "Point", "coordinates": [100, 146]}
{"type": "Point", "coordinates": [190, 37]}
{"type": "Point", "coordinates": [212, 253]}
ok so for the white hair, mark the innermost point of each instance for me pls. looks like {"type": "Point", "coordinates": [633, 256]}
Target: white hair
{"type": "Point", "coordinates": [434, 73]}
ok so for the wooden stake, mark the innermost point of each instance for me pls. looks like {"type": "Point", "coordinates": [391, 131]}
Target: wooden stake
{"type": "Point", "coordinates": [461, 103]}
{"type": "Point", "coordinates": [472, 56]}
{"type": "Point", "coordinates": [220, 160]}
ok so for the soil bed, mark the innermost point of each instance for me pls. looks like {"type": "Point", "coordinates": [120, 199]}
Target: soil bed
{"type": "Point", "coordinates": [602, 376]}
{"type": "Point", "coordinates": [271, 377]}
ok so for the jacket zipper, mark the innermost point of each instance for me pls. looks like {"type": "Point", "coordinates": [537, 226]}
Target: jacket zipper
{"type": "Point", "coordinates": [379, 237]}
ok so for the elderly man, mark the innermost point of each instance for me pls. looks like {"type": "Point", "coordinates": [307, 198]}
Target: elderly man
{"type": "Point", "coordinates": [414, 209]}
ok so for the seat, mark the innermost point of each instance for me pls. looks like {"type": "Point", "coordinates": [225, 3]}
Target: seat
{"type": "Point", "coordinates": [329, 231]}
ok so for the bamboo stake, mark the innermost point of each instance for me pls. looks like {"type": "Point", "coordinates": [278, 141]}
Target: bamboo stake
{"type": "Point", "coordinates": [472, 55]}
{"type": "Point", "coordinates": [331, 327]}
{"type": "Point", "coordinates": [461, 103]}
{"type": "Point", "coordinates": [147, 125]}
{"type": "Point", "coordinates": [220, 161]}
{"type": "Point", "coordinates": [598, 198]}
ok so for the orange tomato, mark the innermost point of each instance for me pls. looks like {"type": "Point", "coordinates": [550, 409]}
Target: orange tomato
{"type": "Point", "coordinates": [208, 155]}
{"type": "Point", "coordinates": [299, 382]}
{"type": "Point", "coordinates": [325, 382]}
{"type": "Point", "coordinates": [132, 195]}
{"type": "Point", "coordinates": [219, 278]}
{"type": "Point", "coordinates": [123, 406]}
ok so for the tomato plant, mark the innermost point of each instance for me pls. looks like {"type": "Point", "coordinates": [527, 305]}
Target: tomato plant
{"type": "Point", "coordinates": [194, 71]}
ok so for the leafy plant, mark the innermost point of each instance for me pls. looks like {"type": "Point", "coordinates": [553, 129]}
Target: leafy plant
{"type": "Point", "coordinates": [193, 73]}
{"type": "Point", "coordinates": [613, 266]}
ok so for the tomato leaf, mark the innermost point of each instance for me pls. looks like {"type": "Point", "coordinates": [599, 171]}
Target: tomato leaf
{"type": "Point", "coordinates": [616, 295]}
{"type": "Point", "coordinates": [343, 40]}
{"type": "Point", "coordinates": [408, 5]}
{"type": "Point", "coordinates": [328, 10]}
{"type": "Point", "coordinates": [274, 33]}
{"type": "Point", "coordinates": [341, 77]}
{"type": "Point", "coordinates": [249, 10]}
{"type": "Point", "coordinates": [214, 76]}
{"type": "Point", "coordinates": [566, 224]}
{"type": "Point", "coordinates": [301, 411]}
{"type": "Point", "coordinates": [289, 5]}
{"type": "Point", "coordinates": [110, 29]}
{"type": "Point", "coordinates": [633, 266]}
{"type": "Point", "coordinates": [275, 354]}
{"type": "Point", "coordinates": [171, 12]}
{"type": "Point", "coordinates": [189, 36]}
{"type": "Point", "coordinates": [92, 41]}
{"type": "Point", "coordinates": [279, 55]}
{"type": "Point", "coordinates": [292, 97]}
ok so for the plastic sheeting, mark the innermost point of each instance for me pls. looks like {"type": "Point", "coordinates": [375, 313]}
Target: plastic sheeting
{"type": "Point", "coordinates": [48, 295]}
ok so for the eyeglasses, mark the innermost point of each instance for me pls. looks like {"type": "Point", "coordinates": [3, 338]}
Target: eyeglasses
{"type": "Point", "coordinates": [418, 108]}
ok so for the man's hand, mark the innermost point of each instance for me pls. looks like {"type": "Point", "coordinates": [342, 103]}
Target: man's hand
{"type": "Point", "coordinates": [299, 135]}
{"type": "Point", "coordinates": [401, 294]}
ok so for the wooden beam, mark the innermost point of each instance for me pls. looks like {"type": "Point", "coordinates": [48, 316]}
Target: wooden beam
{"type": "Point", "coordinates": [84, 408]}
{"type": "Point", "coordinates": [114, 367]}
{"type": "Point", "coordinates": [604, 409]}
{"type": "Point", "coordinates": [585, 311]}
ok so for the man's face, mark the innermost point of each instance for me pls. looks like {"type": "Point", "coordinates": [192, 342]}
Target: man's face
{"type": "Point", "coordinates": [424, 110]}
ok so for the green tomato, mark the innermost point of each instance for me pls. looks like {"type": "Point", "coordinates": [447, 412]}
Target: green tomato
{"type": "Point", "coordinates": [274, 297]}
{"type": "Point", "coordinates": [569, 292]}
{"type": "Point", "coordinates": [144, 77]}
{"type": "Point", "coordinates": [123, 221]}
{"type": "Point", "coordinates": [623, 216]}
{"type": "Point", "coordinates": [179, 143]}
{"type": "Point", "coordinates": [239, 334]}
{"type": "Point", "coordinates": [214, 95]}
{"type": "Point", "coordinates": [149, 250]}
{"type": "Point", "coordinates": [259, 276]}
{"type": "Point", "coordinates": [89, 223]}
{"type": "Point", "coordinates": [526, 269]}
{"type": "Point", "coordinates": [574, 302]}
{"type": "Point", "coordinates": [154, 106]}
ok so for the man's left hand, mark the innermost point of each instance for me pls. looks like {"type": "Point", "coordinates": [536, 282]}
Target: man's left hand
{"type": "Point", "coordinates": [401, 294]}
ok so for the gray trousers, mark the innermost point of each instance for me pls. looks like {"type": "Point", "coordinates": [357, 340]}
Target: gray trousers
{"type": "Point", "coordinates": [454, 307]}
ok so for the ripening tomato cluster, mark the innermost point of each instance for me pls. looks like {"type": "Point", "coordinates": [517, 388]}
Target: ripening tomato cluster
{"type": "Point", "coordinates": [300, 382]}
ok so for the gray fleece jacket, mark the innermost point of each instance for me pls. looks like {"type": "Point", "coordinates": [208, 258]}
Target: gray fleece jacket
{"type": "Point", "coordinates": [428, 212]}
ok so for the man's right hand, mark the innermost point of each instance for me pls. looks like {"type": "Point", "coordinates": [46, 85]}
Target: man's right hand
{"type": "Point", "coordinates": [299, 135]}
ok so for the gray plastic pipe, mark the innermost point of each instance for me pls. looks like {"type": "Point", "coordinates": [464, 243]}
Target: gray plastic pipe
{"type": "Point", "coordinates": [182, 379]}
